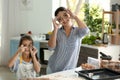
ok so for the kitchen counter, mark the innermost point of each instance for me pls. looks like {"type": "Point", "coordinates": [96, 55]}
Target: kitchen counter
{"type": "Point", "coordinates": [64, 75]}
{"type": "Point", "coordinates": [86, 50]}
{"type": "Point", "coordinates": [33, 37]}
{"type": "Point", "coordinates": [110, 49]}
{"type": "Point", "coordinates": [97, 46]}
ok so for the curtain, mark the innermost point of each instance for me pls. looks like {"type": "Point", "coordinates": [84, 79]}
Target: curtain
{"type": "Point", "coordinates": [4, 49]}
{"type": "Point", "coordinates": [0, 28]}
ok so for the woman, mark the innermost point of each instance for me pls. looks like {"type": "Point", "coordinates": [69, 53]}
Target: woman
{"type": "Point", "coordinates": [65, 41]}
{"type": "Point", "coordinates": [25, 62]}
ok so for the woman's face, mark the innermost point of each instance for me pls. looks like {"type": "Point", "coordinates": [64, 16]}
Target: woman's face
{"type": "Point", "coordinates": [27, 44]}
{"type": "Point", "coordinates": [63, 18]}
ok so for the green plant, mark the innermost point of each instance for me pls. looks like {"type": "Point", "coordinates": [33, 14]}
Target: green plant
{"type": "Point", "coordinates": [93, 18]}
{"type": "Point", "coordinates": [89, 39]}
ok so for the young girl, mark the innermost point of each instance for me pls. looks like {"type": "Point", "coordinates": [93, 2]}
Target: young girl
{"type": "Point", "coordinates": [25, 62]}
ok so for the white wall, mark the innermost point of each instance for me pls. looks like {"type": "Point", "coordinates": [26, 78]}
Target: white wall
{"type": "Point", "coordinates": [36, 19]}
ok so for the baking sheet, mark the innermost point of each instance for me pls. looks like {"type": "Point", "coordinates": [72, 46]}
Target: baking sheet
{"type": "Point", "coordinates": [99, 74]}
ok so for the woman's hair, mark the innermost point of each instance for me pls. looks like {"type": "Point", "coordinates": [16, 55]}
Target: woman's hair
{"type": "Point", "coordinates": [27, 37]}
{"type": "Point", "coordinates": [59, 9]}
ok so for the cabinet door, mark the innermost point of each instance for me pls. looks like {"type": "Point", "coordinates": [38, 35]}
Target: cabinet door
{"type": "Point", "coordinates": [14, 46]}
{"type": "Point", "coordinates": [86, 52]}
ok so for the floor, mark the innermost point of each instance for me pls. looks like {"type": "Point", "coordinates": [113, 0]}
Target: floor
{"type": "Point", "coordinates": [6, 74]}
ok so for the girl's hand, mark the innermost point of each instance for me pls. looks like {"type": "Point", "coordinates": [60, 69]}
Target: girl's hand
{"type": "Point", "coordinates": [33, 51]}
{"type": "Point", "coordinates": [56, 24]}
{"type": "Point", "coordinates": [21, 49]}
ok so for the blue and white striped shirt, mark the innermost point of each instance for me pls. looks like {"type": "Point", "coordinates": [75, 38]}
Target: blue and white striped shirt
{"type": "Point", "coordinates": [67, 49]}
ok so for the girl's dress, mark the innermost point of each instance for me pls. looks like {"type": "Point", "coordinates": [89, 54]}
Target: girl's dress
{"type": "Point", "coordinates": [24, 69]}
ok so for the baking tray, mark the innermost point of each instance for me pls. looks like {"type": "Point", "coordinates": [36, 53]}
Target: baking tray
{"type": "Point", "coordinates": [99, 74]}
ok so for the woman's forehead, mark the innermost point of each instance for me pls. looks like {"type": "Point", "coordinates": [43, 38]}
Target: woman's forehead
{"type": "Point", "coordinates": [61, 13]}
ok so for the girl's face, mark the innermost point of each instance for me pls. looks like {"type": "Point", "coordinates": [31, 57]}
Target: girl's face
{"type": "Point", "coordinates": [63, 18]}
{"type": "Point", "coordinates": [27, 44]}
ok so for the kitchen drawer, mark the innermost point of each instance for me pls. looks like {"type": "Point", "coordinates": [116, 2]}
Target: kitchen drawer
{"type": "Point", "coordinates": [43, 45]}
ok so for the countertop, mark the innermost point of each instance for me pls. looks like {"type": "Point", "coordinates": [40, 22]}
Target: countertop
{"type": "Point", "coordinates": [97, 46]}
{"type": "Point", "coordinates": [84, 45]}
{"type": "Point", "coordinates": [33, 37]}
{"type": "Point", "coordinates": [64, 75]}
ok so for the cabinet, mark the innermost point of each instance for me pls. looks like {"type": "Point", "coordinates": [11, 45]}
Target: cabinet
{"type": "Point", "coordinates": [14, 46]}
{"type": "Point", "coordinates": [115, 38]}
{"type": "Point", "coordinates": [93, 51]}
{"type": "Point", "coordinates": [86, 52]}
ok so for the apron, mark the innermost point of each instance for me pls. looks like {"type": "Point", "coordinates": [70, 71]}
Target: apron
{"type": "Point", "coordinates": [25, 70]}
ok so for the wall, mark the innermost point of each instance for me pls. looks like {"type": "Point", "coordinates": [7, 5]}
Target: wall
{"type": "Point", "coordinates": [17, 20]}
{"type": "Point", "coordinates": [4, 48]}
{"type": "Point", "coordinates": [37, 18]}
{"type": "Point", "coordinates": [115, 1]}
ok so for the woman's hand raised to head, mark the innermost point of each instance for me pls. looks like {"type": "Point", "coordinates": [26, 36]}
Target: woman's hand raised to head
{"type": "Point", "coordinates": [80, 23]}
{"type": "Point", "coordinates": [56, 24]}
{"type": "Point", "coordinates": [72, 15]}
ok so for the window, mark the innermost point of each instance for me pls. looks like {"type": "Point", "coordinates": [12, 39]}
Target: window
{"type": "Point", "coordinates": [102, 4]}
{"type": "Point", "coordinates": [76, 6]}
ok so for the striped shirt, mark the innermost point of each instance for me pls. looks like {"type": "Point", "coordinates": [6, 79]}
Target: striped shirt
{"type": "Point", "coordinates": [67, 49]}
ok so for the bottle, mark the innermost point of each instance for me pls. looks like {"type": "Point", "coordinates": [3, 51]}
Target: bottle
{"type": "Point", "coordinates": [105, 38]}
{"type": "Point", "coordinates": [119, 57]}
{"type": "Point", "coordinates": [109, 30]}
